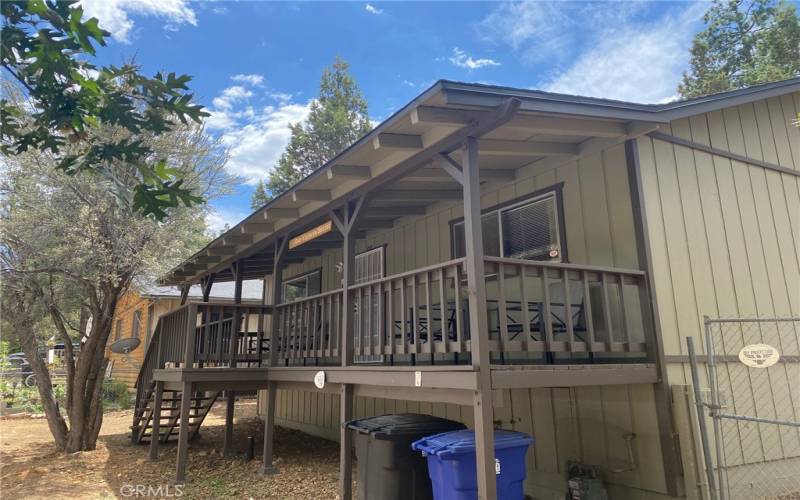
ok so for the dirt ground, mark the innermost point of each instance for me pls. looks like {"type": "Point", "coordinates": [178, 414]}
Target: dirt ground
{"type": "Point", "coordinates": [31, 468]}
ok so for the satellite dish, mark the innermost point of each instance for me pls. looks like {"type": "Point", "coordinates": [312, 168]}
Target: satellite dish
{"type": "Point", "coordinates": [125, 346]}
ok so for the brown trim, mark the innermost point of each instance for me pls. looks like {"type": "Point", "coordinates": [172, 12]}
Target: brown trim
{"type": "Point", "coordinates": [724, 153]}
{"type": "Point", "coordinates": [557, 189]}
{"type": "Point", "coordinates": [661, 391]}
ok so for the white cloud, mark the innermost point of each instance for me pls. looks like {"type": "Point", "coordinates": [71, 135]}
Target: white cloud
{"type": "Point", "coordinates": [255, 135]}
{"type": "Point", "coordinates": [252, 79]}
{"type": "Point", "coordinates": [636, 62]}
{"type": "Point", "coordinates": [256, 145]}
{"type": "Point", "coordinates": [463, 60]}
{"type": "Point", "coordinates": [114, 14]}
{"type": "Point", "coordinates": [231, 96]}
{"type": "Point", "coordinates": [372, 9]}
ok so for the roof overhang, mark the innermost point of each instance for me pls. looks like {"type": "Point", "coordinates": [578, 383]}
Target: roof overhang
{"type": "Point", "coordinates": [549, 128]}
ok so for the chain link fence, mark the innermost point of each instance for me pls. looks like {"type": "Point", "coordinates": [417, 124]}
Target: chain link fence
{"type": "Point", "coordinates": [752, 444]}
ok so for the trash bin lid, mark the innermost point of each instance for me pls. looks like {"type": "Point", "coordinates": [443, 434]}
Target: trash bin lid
{"type": "Point", "coordinates": [463, 441]}
{"type": "Point", "coordinates": [403, 424]}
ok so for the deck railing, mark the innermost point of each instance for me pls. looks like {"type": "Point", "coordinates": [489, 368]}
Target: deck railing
{"type": "Point", "coordinates": [537, 312]}
{"type": "Point", "coordinates": [309, 328]}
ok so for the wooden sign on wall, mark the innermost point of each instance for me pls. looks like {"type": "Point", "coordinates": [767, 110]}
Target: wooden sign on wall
{"type": "Point", "coordinates": [311, 234]}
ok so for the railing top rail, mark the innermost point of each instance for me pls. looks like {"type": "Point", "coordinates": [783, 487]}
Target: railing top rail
{"type": "Point", "coordinates": [563, 265]}
{"type": "Point", "coordinates": [335, 291]}
{"type": "Point", "coordinates": [229, 304]}
{"type": "Point", "coordinates": [406, 274]}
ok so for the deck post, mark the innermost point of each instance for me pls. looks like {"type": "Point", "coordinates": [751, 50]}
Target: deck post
{"type": "Point", "coordinates": [155, 430]}
{"type": "Point", "coordinates": [227, 443]}
{"type": "Point", "coordinates": [269, 417]}
{"type": "Point", "coordinates": [478, 322]}
{"type": "Point", "coordinates": [183, 433]}
{"type": "Point", "coordinates": [351, 213]}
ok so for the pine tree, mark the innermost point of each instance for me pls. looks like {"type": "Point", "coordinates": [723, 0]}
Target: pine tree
{"type": "Point", "coordinates": [338, 117]}
{"type": "Point", "coordinates": [259, 197]}
{"type": "Point", "coordinates": [745, 42]}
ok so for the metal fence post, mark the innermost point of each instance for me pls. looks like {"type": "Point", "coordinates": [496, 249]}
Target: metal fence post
{"type": "Point", "coordinates": [698, 401]}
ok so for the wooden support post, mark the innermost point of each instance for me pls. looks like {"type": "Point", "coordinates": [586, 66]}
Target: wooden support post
{"type": "Point", "coordinates": [156, 427]}
{"type": "Point", "coordinates": [183, 433]}
{"type": "Point", "coordinates": [478, 323]}
{"type": "Point", "coordinates": [184, 294]}
{"type": "Point", "coordinates": [345, 443]}
{"type": "Point", "coordinates": [227, 443]}
{"type": "Point", "coordinates": [237, 269]}
{"type": "Point", "coordinates": [269, 417]}
{"type": "Point", "coordinates": [347, 225]}
{"type": "Point", "coordinates": [206, 284]}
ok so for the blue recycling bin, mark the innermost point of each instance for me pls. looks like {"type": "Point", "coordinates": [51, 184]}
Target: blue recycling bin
{"type": "Point", "coordinates": [453, 469]}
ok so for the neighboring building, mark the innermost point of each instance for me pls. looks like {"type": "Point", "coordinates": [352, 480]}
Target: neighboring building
{"type": "Point", "coordinates": [138, 311]}
{"type": "Point", "coordinates": [513, 258]}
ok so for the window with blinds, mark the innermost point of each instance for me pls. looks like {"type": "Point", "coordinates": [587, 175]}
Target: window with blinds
{"type": "Point", "coordinates": [526, 230]}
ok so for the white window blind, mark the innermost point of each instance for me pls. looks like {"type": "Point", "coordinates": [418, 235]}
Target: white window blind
{"type": "Point", "coordinates": [526, 230]}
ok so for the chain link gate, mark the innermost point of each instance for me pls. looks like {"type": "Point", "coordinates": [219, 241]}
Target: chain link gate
{"type": "Point", "coordinates": [752, 447]}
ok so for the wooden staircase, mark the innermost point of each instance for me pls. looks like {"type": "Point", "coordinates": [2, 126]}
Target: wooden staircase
{"type": "Point", "coordinates": [169, 421]}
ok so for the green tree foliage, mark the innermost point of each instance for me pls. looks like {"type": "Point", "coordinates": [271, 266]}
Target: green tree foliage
{"type": "Point", "coordinates": [46, 47]}
{"type": "Point", "coordinates": [338, 117]}
{"type": "Point", "coordinates": [69, 248]}
{"type": "Point", "coordinates": [745, 42]}
{"type": "Point", "coordinates": [259, 197]}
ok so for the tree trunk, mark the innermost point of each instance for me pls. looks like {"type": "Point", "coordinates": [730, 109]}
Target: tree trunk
{"type": "Point", "coordinates": [56, 423]}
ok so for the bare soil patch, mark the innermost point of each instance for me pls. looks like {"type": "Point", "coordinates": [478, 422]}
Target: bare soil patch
{"type": "Point", "coordinates": [31, 468]}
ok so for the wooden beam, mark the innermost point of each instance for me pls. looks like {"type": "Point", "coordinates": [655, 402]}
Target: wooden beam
{"type": "Point", "coordinates": [437, 173]}
{"type": "Point", "coordinates": [536, 124]}
{"type": "Point", "coordinates": [220, 250]}
{"type": "Point", "coordinates": [399, 211]}
{"type": "Point", "coordinates": [237, 239]}
{"type": "Point", "coordinates": [450, 166]}
{"type": "Point", "coordinates": [258, 227]}
{"type": "Point", "coordinates": [311, 195]}
{"type": "Point", "coordinates": [281, 213]}
{"type": "Point", "coordinates": [349, 171]}
{"type": "Point", "coordinates": [426, 194]}
{"type": "Point", "coordinates": [397, 141]}
{"type": "Point", "coordinates": [496, 147]}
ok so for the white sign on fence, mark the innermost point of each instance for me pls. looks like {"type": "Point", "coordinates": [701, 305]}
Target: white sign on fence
{"type": "Point", "coordinates": [759, 355]}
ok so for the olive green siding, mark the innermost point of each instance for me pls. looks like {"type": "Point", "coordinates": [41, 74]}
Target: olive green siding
{"type": "Point", "coordinates": [725, 242]}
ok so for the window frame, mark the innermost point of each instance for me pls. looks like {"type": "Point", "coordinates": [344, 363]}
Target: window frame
{"type": "Point", "coordinates": [136, 323]}
{"type": "Point", "coordinates": [555, 190]}
{"type": "Point", "coordinates": [118, 329]}
{"type": "Point", "coordinates": [298, 277]}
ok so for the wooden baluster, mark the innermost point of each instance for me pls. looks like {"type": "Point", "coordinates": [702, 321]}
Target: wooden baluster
{"type": "Point", "coordinates": [368, 347]}
{"type": "Point", "coordinates": [429, 312]}
{"type": "Point", "coordinates": [607, 312]}
{"type": "Point", "coordinates": [545, 314]}
{"type": "Point", "coordinates": [443, 323]}
{"type": "Point", "coordinates": [526, 315]}
{"type": "Point", "coordinates": [459, 306]}
{"type": "Point", "coordinates": [403, 315]}
{"type": "Point", "coordinates": [587, 312]}
{"type": "Point", "coordinates": [568, 311]}
{"type": "Point", "coordinates": [626, 340]}
{"type": "Point", "coordinates": [381, 319]}
{"type": "Point", "coordinates": [502, 307]}
{"type": "Point", "coordinates": [390, 316]}
{"type": "Point", "coordinates": [415, 313]}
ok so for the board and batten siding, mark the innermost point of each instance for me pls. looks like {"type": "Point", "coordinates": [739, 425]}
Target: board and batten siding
{"type": "Point", "coordinates": [724, 240]}
{"type": "Point", "coordinates": [586, 424]}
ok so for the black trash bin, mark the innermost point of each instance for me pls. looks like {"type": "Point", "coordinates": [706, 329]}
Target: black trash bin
{"type": "Point", "coordinates": [388, 469]}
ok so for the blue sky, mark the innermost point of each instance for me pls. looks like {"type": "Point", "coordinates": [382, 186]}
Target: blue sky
{"type": "Point", "coordinates": [256, 65]}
